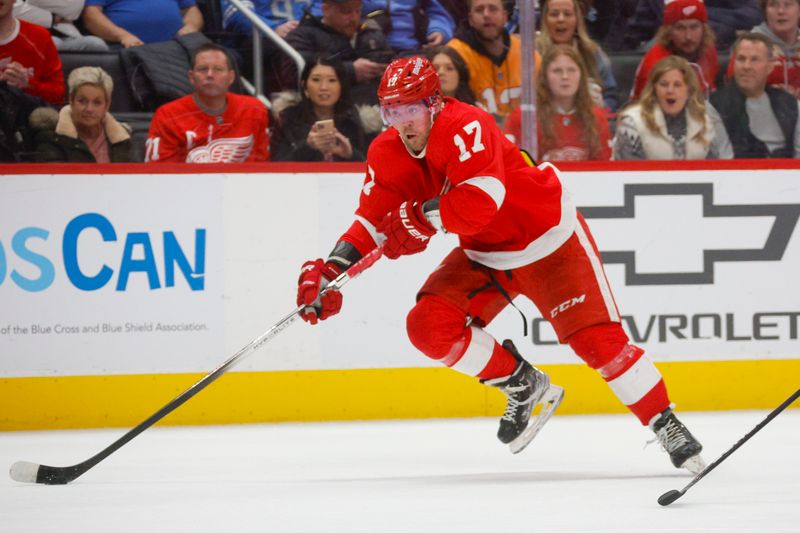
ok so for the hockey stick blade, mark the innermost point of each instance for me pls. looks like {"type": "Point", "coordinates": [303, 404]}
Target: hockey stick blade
{"type": "Point", "coordinates": [672, 495]}
{"type": "Point", "coordinates": [27, 472]}
{"type": "Point", "coordinates": [549, 401]}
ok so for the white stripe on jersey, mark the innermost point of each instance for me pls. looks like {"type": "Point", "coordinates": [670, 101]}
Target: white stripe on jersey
{"type": "Point", "coordinates": [477, 354]}
{"type": "Point", "coordinates": [597, 266]}
{"type": "Point", "coordinates": [377, 237]}
{"type": "Point", "coordinates": [492, 186]}
{"type": "Point", "coordinates": [543, 246]}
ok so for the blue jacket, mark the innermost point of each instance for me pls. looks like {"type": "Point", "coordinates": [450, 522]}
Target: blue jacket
{"type": "Point", "coordinates": [402, 36]}
{"type": "Point", "coordinates": [272, 12]}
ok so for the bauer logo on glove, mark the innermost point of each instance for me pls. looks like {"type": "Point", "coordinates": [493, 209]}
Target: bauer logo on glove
{"type": "Point", "coordinates": [407, 230]}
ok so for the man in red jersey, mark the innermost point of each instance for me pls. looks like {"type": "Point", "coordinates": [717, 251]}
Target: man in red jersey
{"type": "Point", "coordinates": [29, 60]}
{"type": "Point", "coordinates": [444, 166]}
{"type": "Point", "coordinates": [685, 32]}
{"type": "Point", "coordinates": [212, 124]}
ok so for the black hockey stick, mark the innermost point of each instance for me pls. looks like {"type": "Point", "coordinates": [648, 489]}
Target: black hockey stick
{"type": "Point", "coordinates": [26, 472]}
{"type": "Point", "coordinates": [672, 495]}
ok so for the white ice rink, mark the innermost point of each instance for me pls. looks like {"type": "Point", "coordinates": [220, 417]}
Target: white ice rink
{"type": "Point", "coordinates": [585, 474]}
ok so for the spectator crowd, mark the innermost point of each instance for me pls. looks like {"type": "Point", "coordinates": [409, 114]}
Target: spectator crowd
{"type": "Point", "coordinates": [716, 79]}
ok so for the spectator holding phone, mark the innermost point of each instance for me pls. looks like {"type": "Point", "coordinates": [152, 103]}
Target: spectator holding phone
{"type": "Point", "coordinates": [324, 125]}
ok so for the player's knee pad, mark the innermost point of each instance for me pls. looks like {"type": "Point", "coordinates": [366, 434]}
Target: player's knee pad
{"type": "Point", "coordinates": [600, 344]}
{"type": "Point", "coordinates": [434, 326]}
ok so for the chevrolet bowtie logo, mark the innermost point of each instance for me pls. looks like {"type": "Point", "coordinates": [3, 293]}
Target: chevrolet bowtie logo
{"type": "Point", "coordinates": [785, 219]}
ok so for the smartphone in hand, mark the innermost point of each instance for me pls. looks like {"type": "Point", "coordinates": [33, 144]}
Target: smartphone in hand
{"type": "Point", "coordinates": [324, 126]}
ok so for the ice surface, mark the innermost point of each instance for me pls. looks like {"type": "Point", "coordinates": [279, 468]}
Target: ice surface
{"type": "Point", "coordinates": [586, 474]}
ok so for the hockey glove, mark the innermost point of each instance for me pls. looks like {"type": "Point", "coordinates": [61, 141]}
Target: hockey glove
{"type": "Point", "coordinates": [315, 276]}
{"type": "Point", "coordinates": [407, 230]}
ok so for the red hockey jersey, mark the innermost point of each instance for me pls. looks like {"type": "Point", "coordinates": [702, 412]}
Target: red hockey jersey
{"type": "Point", "coordinates": [182, 132]}
{"type": "Point", "coordinates": [32, 47]}
{"type": "Point", "coordinates": [506, 213]}
{"type": "Point", "coordinates": [569, 133]}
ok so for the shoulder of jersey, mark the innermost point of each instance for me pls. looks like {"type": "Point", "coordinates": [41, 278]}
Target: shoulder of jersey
{"type": "Point", "coordinates": [456, 114]}
{"type": "Point", "coordinates": [387, 142]}
{"type": "Point", "coordinates": [179, 106]}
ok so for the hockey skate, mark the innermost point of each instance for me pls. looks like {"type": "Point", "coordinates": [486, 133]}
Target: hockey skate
{"type": "Point", "coordinates": [683, 448]}
{"type": "Point", "coordinates": [526, 389]}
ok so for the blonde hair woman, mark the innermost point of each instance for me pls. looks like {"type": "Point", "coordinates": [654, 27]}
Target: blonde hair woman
{"type": "Point", "coordinates": [562, 23]}
{"type": "Point", "coordinates": [671, 120]}
{"type": "Point", "coordinates": [85, 132]}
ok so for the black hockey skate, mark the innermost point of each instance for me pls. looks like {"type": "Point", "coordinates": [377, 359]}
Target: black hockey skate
{"type": "Point", "coordinates": [683, 448]}
{"type": "Point", "coordinates": [526, 388]}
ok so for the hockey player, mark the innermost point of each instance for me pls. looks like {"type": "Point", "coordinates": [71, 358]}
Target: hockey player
{"type": "Point", "coordinates": [444, 166]}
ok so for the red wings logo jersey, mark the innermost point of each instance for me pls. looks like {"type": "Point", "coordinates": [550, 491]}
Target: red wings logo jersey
{"type": "Point", "coordinates": [182, 132]}
{"type": "Point", "coordinates": [506, 213]}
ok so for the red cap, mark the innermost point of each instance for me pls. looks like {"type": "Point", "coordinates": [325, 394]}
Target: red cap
{"type": "Point", "coordinates": [408, 80]}
{"type": "Point", "coordinates": [675, 10]}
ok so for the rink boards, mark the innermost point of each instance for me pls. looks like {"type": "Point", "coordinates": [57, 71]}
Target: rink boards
{"type": "Point", "coordinates": [119, 290]}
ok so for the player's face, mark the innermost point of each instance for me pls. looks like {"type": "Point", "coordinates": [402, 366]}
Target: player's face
{"type": "Point", "coordinates": [488, 18]}
{"type": "Point", "coordinates": [687, 36]}
{"type": "Point", "coordinates": [672, 92]}
{"type": "Point", "coordinates": [211, 75]}
{"type": "Point", "coordinates": [448, 74]}
{"type": "Point", "coordinates": [782, 17]}
{"type": "Point", "coordinates": [344, 18]}
{"type": "Point", "coordinates": [323, 87]}
{"type": "Point", "coordinates": [751, 67]}
{"type": "Point", "coordinates": [563, 78]}
{"type": "Point", "coordinates": [88, 107]}
{"type": "Point", "coordinates": [412, 121]}
{"type": "Point", "coordinates": [561, 20]}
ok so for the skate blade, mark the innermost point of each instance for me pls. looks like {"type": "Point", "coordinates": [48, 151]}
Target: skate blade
{"type": "Point", "coordinates": [549, 402]}
{"type": "Point", "coordinates": [694, 464]}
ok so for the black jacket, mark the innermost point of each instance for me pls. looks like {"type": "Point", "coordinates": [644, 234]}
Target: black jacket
{"type": "Point", "coordinates": [729, 101]}
{"type": "Point", "coordinates": [312, 38]}
{"type": "Point", "coordinates": [288, 139]}
{"type": "Point", "coordinates": [63, 145]}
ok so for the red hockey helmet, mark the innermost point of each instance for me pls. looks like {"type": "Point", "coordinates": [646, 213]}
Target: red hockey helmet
{"type": "Point", "coordinates": [409, 80]}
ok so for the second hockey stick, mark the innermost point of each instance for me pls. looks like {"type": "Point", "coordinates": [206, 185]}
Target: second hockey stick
{"type": "Point", "coordinates": [27, 472]}
{"type": "Point", "coordinates": [672, 495]}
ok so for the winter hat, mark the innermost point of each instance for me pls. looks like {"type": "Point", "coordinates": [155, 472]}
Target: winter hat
{"type": "Point", "coordinates": [675, 10]}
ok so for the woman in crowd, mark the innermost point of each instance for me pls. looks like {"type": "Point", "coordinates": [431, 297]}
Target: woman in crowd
{"type": "Point", "coordinates": [563, 23]}
{"type": "Point", "coordinates": [571, 126]}
{"type": "Point", "coordinates": [85, 131]}
{"type": "Point", "coordinates": [324, 125]}
{"type": "Point", "coordinates": [453, 73]}
{"type": "Point", "coordinates": [781, 20]}
{"type": "Point", "coordinates": [672, 119]}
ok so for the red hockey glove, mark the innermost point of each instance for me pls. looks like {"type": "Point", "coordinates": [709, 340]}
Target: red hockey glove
{"type": "Point", "coordinates": [315, 276]}
{"type": "Point", "coordinates": [407, 230]}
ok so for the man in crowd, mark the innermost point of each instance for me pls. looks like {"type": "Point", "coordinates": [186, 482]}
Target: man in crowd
{"type": "Point", "coordinates": [726, 17]}
{"type": "Point", "coordinates": [686, 33]}
{"type": "Point", "coordinates": [761, 121]}
{"type": "Point", "coordinates": [493, 57]}
{"type": "Point", "coordinates": [135, 22]}
{"type": "Point", "coordinates": [341, 34]}
{"type": "Point", "coordinates": [29, 60]}
{"type": "Point", "coordinates": [212, 124]}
